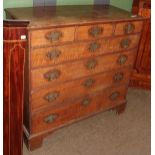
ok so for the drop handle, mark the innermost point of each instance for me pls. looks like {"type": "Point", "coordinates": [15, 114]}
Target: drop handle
{"type": "Point", "coordinates": [118, 77]}
{"type": "Point", "coordinates": [52, 75]}
{"type": "Point", "coordinates": [94, 47]}
{"type": "Point", "coordinates": [50, 118]}
{"type": "Point", "coordinates": [114, 96]}
{"type": "Point", "coordinates": [125, 43]}
{"type": "Point", "coordinates": [91, 64]}
{"type": "Point", "coordinates": [50, 97]}
{"type": "Point", "coordinates": [129, 28]}
{"type": "Point", "coordinates": [88, 83]}
{"type": "Point", "coordinates": [122, 59]}
{"type": "Point", "coordinates": [86, 101]}
{"type": "Point", "coordinates": [95, 31]}
{"type": "Point", "coordinates": [53, 36]}
{"type": "Point", "coordinates": [53, 54]}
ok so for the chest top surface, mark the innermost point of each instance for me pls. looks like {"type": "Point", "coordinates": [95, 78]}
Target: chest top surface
{"type": "Point", "coordinates": [69, 15]}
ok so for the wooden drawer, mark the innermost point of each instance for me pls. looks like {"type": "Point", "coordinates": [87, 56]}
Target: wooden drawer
{"type": "Point", "coordinates": [94, 31]}
{"type": "Point", "coordinates": [85, 106]}
{"type": "Point", "coordinates": [77, 69]}
{"type": "Point", "coordinates": [58, 94]}
{"type": "Point", "coordinates": [128, 27]}
{"type": "Point", "coordinates": [64, 53]}
{"type": "Point", "coordinates": [53, 36]}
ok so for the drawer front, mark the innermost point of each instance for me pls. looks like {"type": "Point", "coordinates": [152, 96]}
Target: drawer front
{"type": "Point", "coordinates": [56, 95]}
{"type": "Point", "coordinates": [94, 31]}
{"type": "Point", "coordinates": [77, 69]}
{"type": "Point", "coordinates": [75, 110]}
{"type": "Point", "coordinates": [59, 54]}
{"type": "Point", "coordinates": [52, 36]}
{"type": "Point", "coordinates": [128, 27]}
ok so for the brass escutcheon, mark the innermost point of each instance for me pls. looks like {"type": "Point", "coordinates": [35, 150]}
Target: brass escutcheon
{"type": "Point", "coordinates": [51, 118]}
{"type": "Point", "coordinates": [53, 54]}
{"type": "Point", "coordinates": [118, 76]}
{"type": "Point", "coordinates": [114, 95]}
{"type": "Point", "coordinates": [50, 97]}
{"type": "Point", "coordinates": [52, 75]}
{"type": "Point", "coordinates": [95, 31]}
{"type": "Point", "coordinates": [94, 46]}
{"type": "Point", "coordinates": [86, 101]}
{"type": "Point", "coordinates": [125, 43]}
{"type": "Point", "coordinates": [91, 64]}
{"type": "Point", "coordinates": [88, 83]}
{"type": "Point", "coordinates": [53, 36]}
{"type": "Point", "coordinates": [129, 28]}
{"type": "Point", "coordinates": [122, 59]}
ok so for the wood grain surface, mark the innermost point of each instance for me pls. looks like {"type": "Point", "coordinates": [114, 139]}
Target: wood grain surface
{"type": "Point", "coordinates": [14, 57]}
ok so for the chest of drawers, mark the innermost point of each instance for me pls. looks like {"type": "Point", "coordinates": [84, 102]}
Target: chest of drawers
{"type": "Point", "coordinates": [78, 63]}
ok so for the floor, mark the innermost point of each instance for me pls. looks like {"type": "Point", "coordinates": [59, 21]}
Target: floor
{"type": "Point", "coordinates": [106, 133]}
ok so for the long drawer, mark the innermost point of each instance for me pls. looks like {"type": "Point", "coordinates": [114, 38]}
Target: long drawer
{"type": "Point", "coordinates": [53, 118]}
{"type": "Point", "coordinates": [63, 53]}
{"type": "Point", "coordinates": [77, 69]}
{"type": "Point", "coordinates": [59, 94]}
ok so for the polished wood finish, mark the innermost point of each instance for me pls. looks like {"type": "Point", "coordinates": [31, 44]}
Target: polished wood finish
{"type": "Point", "coordinates": [39, 37]}
{"type": "Point", "coordinates": [68, 71]}
{"type": "Point", "coordinates": [77, 109]}
{"type": "Point", "coordinates": [141, 77]}
{"type": "Point", "coordinates": [78, 63]}
{"type": "Point", "coordinates": [60, 16]}
{"type": "Point", "coordinates": [14, 57]}
{"type": "Point", "coordinates": [81, 86]}
{"type": "Point", "coordinates": [84, 32]}
{"type": "Point", "coordinates": [120, 27]}
{"type": "Point", "coordinates": [46, 57]}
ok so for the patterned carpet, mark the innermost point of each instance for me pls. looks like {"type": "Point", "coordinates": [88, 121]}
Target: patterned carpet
{"type": "Point", "coordinates": [106, 133]}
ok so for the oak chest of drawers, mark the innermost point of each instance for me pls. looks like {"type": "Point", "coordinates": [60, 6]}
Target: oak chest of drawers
{"type": "Point", "coordinates": [78, 63]}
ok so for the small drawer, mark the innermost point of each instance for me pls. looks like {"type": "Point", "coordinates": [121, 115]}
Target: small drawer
{"type": "Point", "coordinates": [94, 31]}
{"type": "Point", "coordinates": [53, 36]}
{"type": "Point", "coordinates": [52, 118]}
{"type": "Point", "coordinates": [77, 69]}
{"type": "Point", "coordinates": [56, 95]}
{"type": "Point", "coordinates": [128, 28]}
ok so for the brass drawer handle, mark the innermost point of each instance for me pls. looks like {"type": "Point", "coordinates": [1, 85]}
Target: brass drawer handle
{"type": "Point", "coordinates": [95, 31]}
{"type": "Point", "coordinates": [125, 43]}
{"type": "Point", "coordinates": [86, 101]}
{"type": "Point", "coordinates": [91, 64]}
{"type": "Point", "coordinates": [129, 28]}
{"type": "Point", "coordinates": [52, 75]}
{"type": "Point", "coordinates": [114, 96]}
{"type": "Point", "coordinates": [53, 54]}
{"type": "Point", "coordinates": [51, 118]}
{"type": "Point", "coordinates": [88, 83]}
{"type": "Point", "coordinates": [118, 76]}
{"type": "Point", "coordinates": [122, 59]}
{"type": "Point", "coordinates": [50, 97]}
{"type": "Point", "coordinates": [53, 36]}
{"type": "Point", "coordinates": [94, 46]}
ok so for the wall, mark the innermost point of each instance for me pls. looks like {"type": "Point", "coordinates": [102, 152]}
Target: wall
{"type": "Point", "coordinates": [124, 4]}
{"type": "Point", "coordinates": [17, 3]}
